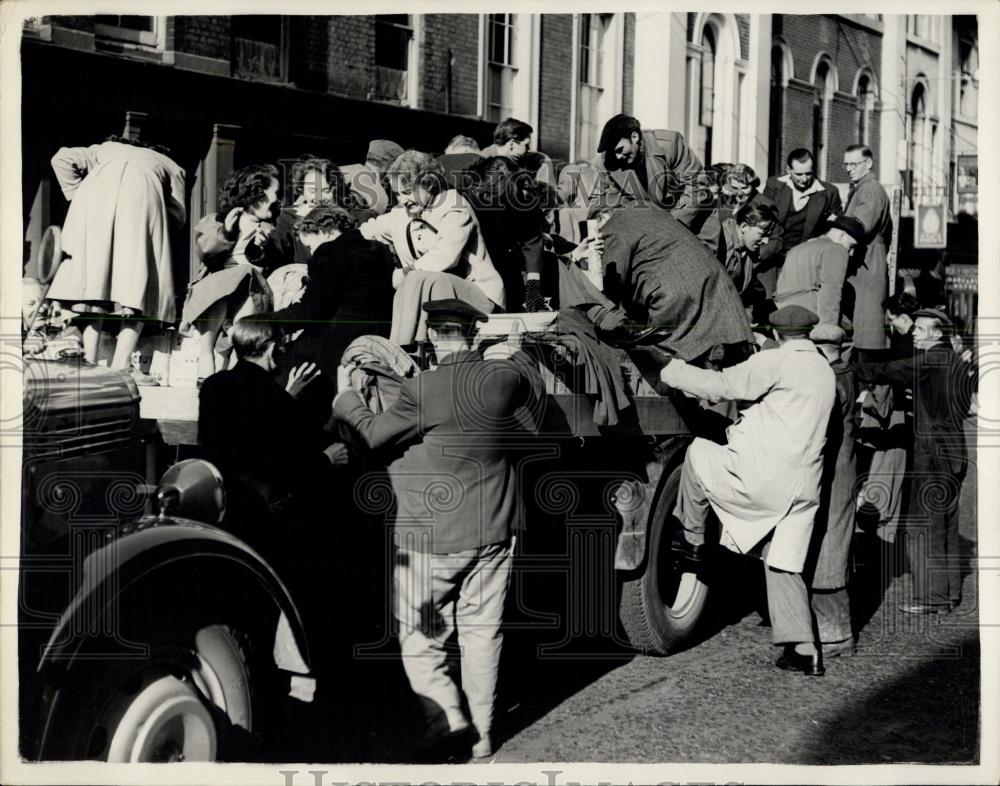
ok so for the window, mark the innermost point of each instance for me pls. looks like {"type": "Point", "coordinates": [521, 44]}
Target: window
{"type": "Point", "coordinates": [590, 78]}
{"type": "Point", "coordinates": [133, 29]}
{"type": "Point", "coordinates": [968, 79]}
{"type": "Point", "coordinates": [703, 95]}
{"type": "Point", "coordinates": [866, 105]}
{"type": "Point", "coordinates": [500, 70]}
{"type": "Point", "coordinates": [718, 90]}
{"type": "Point", "coordinates": [821, 117]}
{"type": "Point", "coordinates": [393, 45]}
{"type": "Point", "coordinates": [260, 49]}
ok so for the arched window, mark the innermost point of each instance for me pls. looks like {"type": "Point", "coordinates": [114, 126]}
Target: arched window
{"type": "Point", "coordinates": [821, 116]}
{"type": "Point", "coordinates": [866, 105]}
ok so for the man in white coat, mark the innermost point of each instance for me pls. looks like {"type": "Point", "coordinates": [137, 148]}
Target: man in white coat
{"type": "Point", "coordinates": [764, 485]}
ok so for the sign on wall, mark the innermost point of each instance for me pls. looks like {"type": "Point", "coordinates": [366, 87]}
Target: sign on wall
{"type": "Point", "coordinates": [930, 226]}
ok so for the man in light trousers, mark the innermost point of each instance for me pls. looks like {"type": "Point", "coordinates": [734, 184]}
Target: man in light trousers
{"type": "Point", "coordinates": [455, 488]}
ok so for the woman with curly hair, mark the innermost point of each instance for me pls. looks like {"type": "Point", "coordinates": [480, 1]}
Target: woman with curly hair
{"type": "Point", "coordinates": [124, 200]}
{"type": "Point", "coordinates": [349, 293]}
{"type": "Point", "coordinates": [315, 182]}
{"type": "Point", "coordinates": [238, 246]}
{"type": "Point", "coordinates": [459, 258]}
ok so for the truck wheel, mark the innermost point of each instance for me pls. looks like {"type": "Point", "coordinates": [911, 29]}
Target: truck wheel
{"type": "Point", "coordinates": [660, 609]}
{"type": "Point", "coordinates": [187, 701]}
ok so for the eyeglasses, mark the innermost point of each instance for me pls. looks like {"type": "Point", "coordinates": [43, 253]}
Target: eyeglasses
{"type": "Point", "coordinates": [852, 164]}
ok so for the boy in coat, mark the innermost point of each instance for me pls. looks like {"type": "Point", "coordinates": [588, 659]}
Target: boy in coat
{"type": "Point", "coordinates": [764, 485]}
{"type": "Point", "coordinates": [456, 497]}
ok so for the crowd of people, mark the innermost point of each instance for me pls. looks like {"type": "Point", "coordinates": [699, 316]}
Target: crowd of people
{"type": "Point", "coordinates": [775, 299]}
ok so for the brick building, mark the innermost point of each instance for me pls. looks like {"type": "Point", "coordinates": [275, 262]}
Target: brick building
{"type": "Point", "coordinates": [227, 91]}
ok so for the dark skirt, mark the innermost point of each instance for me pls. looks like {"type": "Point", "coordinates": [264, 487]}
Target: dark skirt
{"type": "Point", "coordinates": [233, 283]}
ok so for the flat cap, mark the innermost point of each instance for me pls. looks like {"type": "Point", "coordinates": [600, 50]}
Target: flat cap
{"type": "Point", "coordinates": [453, 310]}
{"type": "Point", "coordinates": [793, 319]}
{"type": "Point", "coordinates": [385, 151]}
{"type": "Point", "coordinates": [851, 226]}
{"type": "Point", "coordinates": [933, 313]}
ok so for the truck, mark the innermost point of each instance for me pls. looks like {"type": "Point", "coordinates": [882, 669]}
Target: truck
{"type": "Point", "coordinates": [147, 632]}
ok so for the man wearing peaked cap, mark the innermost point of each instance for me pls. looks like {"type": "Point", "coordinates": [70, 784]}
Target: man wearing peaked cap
{"type": "Point", "coordinates": [764, 484]}
{"type": "Point", "coordinates": [452, 310]}
{"type": "Point", "coordinates": [454, 558]}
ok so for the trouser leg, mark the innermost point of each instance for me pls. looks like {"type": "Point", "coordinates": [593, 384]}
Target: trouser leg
{"type": "Point", "coordinates": [832, 610]}
{"type": "Point", "coordinates": [787, 605]}
{"type": "Point", "coordinates": [426, 587]}
{"type": "Point", "coordinates": [692, 508]}
{"type": "Point", "coordinates": [944, 572]}
{"type": "Point", "coordinates": [884, 489]}
{"type": "Point", "coordinates": [953, 550]}
{"type": "Point", "coordinates": [479, 614]}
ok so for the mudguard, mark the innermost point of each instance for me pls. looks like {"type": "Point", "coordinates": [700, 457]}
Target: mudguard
{"type": "Point", "coordinates": [160, 544]}
{"type": "Point", "coordinates": [635, 502]}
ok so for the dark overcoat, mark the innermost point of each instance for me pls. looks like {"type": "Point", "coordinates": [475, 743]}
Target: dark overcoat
{"type": "Point", "coordinates": [349, 294]}
{"type": "Point", "coordinates": [662, 275]}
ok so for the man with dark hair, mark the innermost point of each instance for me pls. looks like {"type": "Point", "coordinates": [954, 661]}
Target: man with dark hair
{"type": "Point", "coordinates": [252, 430]}
{"type": "Point", "coordinates": [935, 372]}
{"type": "Point", "coordinates": [868, 202]}
{"type": "Point", "coordinates": [511, 138]}
{"type": "Point", "coordinates": [814, 271]}
{"type": "Point", "coordinates": [456, 495]}
{"type": "Point", "coordinates": [649, 167]}
{"type": "Point", "coordinates": [804, 204]}
{"type": "Point", "coordinates": [764, 483]}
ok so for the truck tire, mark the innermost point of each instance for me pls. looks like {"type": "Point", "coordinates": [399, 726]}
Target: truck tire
{"type": "Point", "coordinates": [660, 608]}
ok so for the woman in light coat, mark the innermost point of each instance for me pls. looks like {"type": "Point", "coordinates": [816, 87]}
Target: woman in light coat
{"type": "Point", "coordinates": [458, 259]}
{"type": "Point", "coordinates": [124, 199]}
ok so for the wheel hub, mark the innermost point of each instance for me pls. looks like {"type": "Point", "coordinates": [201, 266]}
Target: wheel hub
{"type": "Point", "coordinates": [166, 721]}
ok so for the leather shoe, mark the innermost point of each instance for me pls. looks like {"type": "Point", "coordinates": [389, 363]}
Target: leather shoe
{"type": "Point", "coordinates": [926, 608]}
{"type": "Point", "coordinates": [688, 556]}
{"type": "Point", "coordinates": [810, 665]}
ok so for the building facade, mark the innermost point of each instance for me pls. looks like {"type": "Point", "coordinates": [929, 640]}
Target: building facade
{"type": "Point", "coordinates": [226, 91]}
